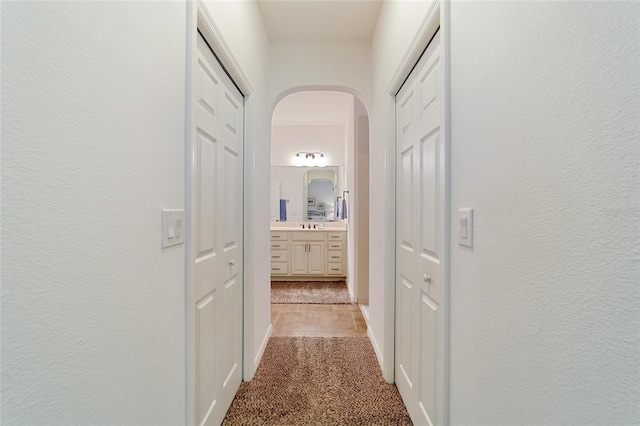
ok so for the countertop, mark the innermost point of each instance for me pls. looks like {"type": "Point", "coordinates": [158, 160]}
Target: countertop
{"type": "Point", "coordinates": [336, 226]}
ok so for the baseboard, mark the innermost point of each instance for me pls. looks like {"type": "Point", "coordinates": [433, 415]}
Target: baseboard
{"type": "Point", "coordinates": [364, 309]}
{"type": "Point", "coordinates": [376, 347]}
{"type": "Point", "coordinates": [263, 346]}
{"type": "Point", "coordinates": [352, 295]}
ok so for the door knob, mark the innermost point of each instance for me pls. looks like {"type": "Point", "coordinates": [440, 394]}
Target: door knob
{"type": "Point", "coordinates": [427, 278]}
{"type": "Point", "coordinates": [232, 262]}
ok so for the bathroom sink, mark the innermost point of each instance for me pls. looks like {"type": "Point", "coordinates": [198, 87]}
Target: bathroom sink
{"type": "Point", "coordinates": [330, 226]}
{"type": "Point", "coordinates": [296, 228]}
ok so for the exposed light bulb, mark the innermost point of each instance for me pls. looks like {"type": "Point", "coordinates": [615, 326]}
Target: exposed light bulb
{"type": "Point", "coordinates": [310, 160]}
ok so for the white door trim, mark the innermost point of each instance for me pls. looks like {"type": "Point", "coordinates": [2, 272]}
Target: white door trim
{"type": "Point", "coordinates": [437, 17]}
{"type": "Point", "coordinates": [198, 18]}
{"type": "Point", "coordinates": [425, 33]}
{"type": "Point", "coordinates": [216, 41]}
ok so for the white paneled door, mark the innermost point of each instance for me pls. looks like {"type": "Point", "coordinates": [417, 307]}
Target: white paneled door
{"type": "Point", "coordinates": [216, 240]}
{"type": "Point", "coordinates": [420, 239]}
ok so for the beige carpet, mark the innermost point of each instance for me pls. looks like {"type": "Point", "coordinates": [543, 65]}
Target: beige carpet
{"type": "Point", "coordinates": [313, 292]}
{"type": "Point", "coordinates": [318, 381]}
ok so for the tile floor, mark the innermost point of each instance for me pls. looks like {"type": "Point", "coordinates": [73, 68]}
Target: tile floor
{"type": "Point", "coordinates": [317, 320]}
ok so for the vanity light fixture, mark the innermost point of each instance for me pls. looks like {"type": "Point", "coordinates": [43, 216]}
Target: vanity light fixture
{"type": "Point", "coordinates": [310, 159]}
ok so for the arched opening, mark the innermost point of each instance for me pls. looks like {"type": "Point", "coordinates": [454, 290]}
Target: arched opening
{"type": "Point", "coordinates": [334, 124]}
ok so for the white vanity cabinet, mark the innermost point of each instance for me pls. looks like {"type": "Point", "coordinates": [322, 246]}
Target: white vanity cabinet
{"type": "Point", "coordinates": [307, 258]}
{"type": "Point", "coordinates": [299, 254]}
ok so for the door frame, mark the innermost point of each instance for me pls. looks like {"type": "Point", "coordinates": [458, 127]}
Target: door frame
{"type": "Point", "coordinates": [438, 17]}
{"type": "Point", "coordinates": [198, 18]}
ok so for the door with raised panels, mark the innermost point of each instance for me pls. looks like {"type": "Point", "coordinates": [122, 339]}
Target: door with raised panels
{"type": "Point", "coordinates": [216, 240]}
{"type": "Point", "coordinates": [299, 250]}
{"type": "Point", "coordinates": [420, 239]}
{"type": "Point", "coordinates": [316, 262]}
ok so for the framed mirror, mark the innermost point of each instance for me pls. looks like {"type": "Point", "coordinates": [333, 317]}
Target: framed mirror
{"type": "Point", "coordinates": [320, 195]}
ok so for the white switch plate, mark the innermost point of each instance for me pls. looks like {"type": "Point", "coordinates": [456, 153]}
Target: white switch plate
{"type": "Point", "coordinates": [172, 228]}
{"type": "Point", "coordinates": [465, 227]}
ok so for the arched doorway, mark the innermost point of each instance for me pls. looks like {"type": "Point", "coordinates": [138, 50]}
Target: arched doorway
{"type": "Point", "coordinates": [334, 124]}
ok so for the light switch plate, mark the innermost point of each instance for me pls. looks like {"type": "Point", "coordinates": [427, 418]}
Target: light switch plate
{"type": "Point", "coordinates": [465, 227]}
{"type": "Point", "coordinates": [172, 228]}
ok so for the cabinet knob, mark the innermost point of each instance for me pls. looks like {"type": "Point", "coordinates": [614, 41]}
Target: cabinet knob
{"type": "Point", "coordinates": [427, 278]}
{"type": "Point", "coordinates": [232, 262]}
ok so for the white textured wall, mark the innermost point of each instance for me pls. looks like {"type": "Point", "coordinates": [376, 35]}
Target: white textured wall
{"type": "Point", "coordinates": [397, 25]}
{"type": "Point", "coordinates": [319, 65]}
{"type": "Point", "coordinates": [92, 149]}
{"type": "Point", "coordinates": [545, 115]}
{"type": "Point", "coordinates": [240, 23]}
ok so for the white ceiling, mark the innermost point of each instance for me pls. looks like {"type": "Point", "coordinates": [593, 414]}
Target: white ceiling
{"type": "Point", "coordinates": [313, 108]}
{"type": "Point", "coordinates": [320, 20]}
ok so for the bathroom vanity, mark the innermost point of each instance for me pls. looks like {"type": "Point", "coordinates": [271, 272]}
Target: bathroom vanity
{"type": "Point", "coordinates": [308, 251]}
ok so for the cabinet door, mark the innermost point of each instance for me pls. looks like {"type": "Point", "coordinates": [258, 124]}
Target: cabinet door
{"type": "Point", "coordinates": [299, 258]}
{"type": "Point", "coordinates": [316, 262]}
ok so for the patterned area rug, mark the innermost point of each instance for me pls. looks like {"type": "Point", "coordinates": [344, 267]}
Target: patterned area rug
{"type": "Point", "coordinates": [318, 381]}
{"type": "Point", "coordinates": [314, 292]}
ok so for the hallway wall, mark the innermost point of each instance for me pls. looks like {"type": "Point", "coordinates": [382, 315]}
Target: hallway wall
{"type": "Point", "coordinates": [545, 131]}
{"type": "Point", "coordinates": [544, 309]}
{"type": "Point", "coordinates": [319, 65]}
{"type": "Point", "coordinates": [92, 149]}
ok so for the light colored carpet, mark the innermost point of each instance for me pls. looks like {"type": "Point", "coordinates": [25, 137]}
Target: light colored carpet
{"type": "Point", "coordinates": [318, 381]}
{"type": "Point", "coordinates": [311, 292]}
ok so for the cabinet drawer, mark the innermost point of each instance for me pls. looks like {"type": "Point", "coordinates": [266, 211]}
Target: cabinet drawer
{"type": "Point", "coordinates": [278, 245]}
{"type": "Point", "coordinates": [279, 268]}
{"type": "Point", "coordinates": [335, 245]}
{"type": "Point", "coordinates": [307, 236]}
{"type": "Point", "coordinates": [279, 256]}
{"type": "Point", "coordinates": [335, 269]}
{"type": "Point", "coordinates": [335, 257]}
{"type": "Point", "coordinates": [278, 236]}
{"type": "Point", "coordinates": [335, 236]}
